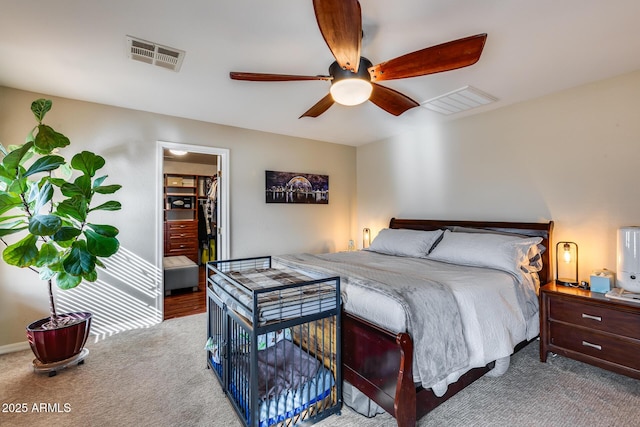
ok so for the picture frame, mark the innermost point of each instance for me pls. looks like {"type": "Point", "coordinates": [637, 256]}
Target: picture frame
{"type": "Point", "coordinates": [296, 188]}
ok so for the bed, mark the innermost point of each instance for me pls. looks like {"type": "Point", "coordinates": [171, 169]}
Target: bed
{"type": "Point", "coordinates": [378, 353]}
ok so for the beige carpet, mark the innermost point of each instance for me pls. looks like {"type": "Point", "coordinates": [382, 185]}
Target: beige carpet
{"type": "Point", "coordinates": [158, 377]}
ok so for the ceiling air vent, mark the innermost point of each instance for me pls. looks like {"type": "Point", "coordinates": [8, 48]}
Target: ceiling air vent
{"type": "Point", "coordinates": [462, 99]}
{"type": "Point", "coordinates": [154, 54]}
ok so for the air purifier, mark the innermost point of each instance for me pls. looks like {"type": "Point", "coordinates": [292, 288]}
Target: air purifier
{"type": "Point", "coordinates": [628, 271]}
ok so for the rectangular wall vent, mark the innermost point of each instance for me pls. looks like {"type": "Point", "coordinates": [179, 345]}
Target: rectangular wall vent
{"type": "Point", "coordinates": [459, 100]}
{"type": "Point", "coordinates": [154, 53]}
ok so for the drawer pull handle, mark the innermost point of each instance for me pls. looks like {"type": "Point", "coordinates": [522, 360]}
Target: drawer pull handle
{"type": "Point", "coordinates": [588, 344]}
{"type": "Point", "coordinates": [588, 316]}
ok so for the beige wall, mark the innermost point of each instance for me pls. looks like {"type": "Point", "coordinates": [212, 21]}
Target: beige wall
{"type": "Point", "coordinates": [570, 157]}
{"type": "Point", "coordinates": [127, 139]}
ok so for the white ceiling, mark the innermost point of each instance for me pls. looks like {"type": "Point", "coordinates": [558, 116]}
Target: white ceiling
{"type": "Point", "coordinates": [76, 49]}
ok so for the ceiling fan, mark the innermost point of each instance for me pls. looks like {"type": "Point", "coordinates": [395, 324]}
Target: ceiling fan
{"type": "Point", "coordinates": [354, 78]}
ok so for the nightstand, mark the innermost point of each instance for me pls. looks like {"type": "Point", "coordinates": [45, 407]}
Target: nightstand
{"type": "Point", "coordinates": [591, 328]}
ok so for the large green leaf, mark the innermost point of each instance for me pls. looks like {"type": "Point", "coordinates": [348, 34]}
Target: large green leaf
{"type": "Point", "coordinates": [58, 182]}
{"type": "Point", "coordinates": [64, 172]}
{"type": "Point", "coordinates": [107, 189]}
{"type": "Point", "coordinates": [9, 231]}
{"type": "Point", "coordinates": [100, 245]}
{"type": "Point", "coordinates": [6, 176]}
{"type": "Point", "coordinates": [10, 217]}
{"type": "Point", "coordinates": [43, 197]}
{"type": "Point", "coordinates": [18, 186]}
{"type": "Point", "coordinates": [8, 202]}
{"type": "Point", "coordinates": [44, 225]}
{"type": "Point", "coordinates": [108, 206]}
{"type": "Point", "coordinates": [46, 273]}
{"type": "Point", "coordinates": [40, 108]}
{"type": "Point", "coordinates": [13, 159]}
{"type": "Point", "coordinates": [66, 234]}
{"type": "Point", "coordinates": [80, 187]}
{"type": "Point", "coordinates": [23, 253]}
{"type": "Point", "coordinates": [79, 261]}
{"type": "Point", "coordinates": [32, 189]}
{"type": "Point", "coordinates": [48, 254]}
{"type": "Point", "coordinates": [7, 228]}
{"type": "Point", "coordinates": [67, 281]}
{"type": "Point", "coordinates": [98, 181]}
{"type": "Point", "coordinates": [48, 139]}
{"type": "Point", "coordinates": [74, 207]}
{"type": "Point", "coordinates": [87, 162]}
{"type": "Point", "coordinates": [104, 230]}
{"type": "Point", "coordinates": [45, 164]}
{"type": "Point", "coordinates": [91, 277]}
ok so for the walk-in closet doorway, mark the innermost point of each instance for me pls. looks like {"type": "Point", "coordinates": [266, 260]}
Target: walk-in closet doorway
{"type": "Point", "coordinates": [192, 222]}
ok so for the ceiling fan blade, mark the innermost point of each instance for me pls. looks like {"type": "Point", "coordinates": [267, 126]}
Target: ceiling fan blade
{"type": "Point", "coordinates": [390, 100]}
{"type": "Point", "coordinates": [340, 22]}
{"type": "Point", "coordinates": [443, 57]}
{"type": "Point", "coordinates": [264, 77]}
{"type": "Point", "coordinates": [319, 108]}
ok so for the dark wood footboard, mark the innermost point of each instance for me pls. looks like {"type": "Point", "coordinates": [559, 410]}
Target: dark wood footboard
{"type": "Point", "coordinates": [379, 363]}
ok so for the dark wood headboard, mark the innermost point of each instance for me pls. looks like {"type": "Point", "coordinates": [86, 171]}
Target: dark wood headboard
{"type": "Point", "coordinates": [533, 229]}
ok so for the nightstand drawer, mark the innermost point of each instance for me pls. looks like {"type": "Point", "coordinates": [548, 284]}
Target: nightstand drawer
{"type": "Point", "coordinates": [595, 344]}
{"type": "Point", "coordinates": [595, 317]}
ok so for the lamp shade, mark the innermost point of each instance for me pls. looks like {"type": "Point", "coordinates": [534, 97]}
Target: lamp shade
{"type": "Point", "coordinates": [366, 238]}
{"type": "Point", "coordinates": [567, 264]}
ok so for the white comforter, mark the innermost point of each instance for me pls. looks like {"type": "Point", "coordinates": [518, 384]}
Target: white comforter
{"type": "Point", "coordinates": [497, 309]}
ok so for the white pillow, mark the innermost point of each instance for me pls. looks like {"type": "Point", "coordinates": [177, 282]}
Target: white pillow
{"type": "Point", "coordinates": [403, 242]}
{"type": "Point", "coordinates": [497, 251]}
{"type": "Point", "coordinates": [535, 252]}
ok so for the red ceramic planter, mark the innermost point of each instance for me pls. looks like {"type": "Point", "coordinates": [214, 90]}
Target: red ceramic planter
{"type": "Point", "coordinates": [54, 345]}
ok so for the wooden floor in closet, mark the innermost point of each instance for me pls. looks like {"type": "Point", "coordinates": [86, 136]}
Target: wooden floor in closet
{"type": "Point", "coordinates": [183, 302]}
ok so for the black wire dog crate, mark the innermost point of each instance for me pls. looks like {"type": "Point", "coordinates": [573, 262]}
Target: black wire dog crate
{"type": "Point", "coordinates": [274, 341]}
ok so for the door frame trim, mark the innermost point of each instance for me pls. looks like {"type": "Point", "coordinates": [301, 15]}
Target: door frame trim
{"type": "Point", "coordinates": [223, 240]}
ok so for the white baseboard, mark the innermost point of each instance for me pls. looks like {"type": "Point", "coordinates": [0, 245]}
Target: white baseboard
{"type": "Point", "coordinates": [10, 348]}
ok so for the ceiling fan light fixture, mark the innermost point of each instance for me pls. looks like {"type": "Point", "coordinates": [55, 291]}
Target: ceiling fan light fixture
{"type": "Point", "coordinates": [351, 92]}
{"type": "Point", "coordinates": [349, 88]}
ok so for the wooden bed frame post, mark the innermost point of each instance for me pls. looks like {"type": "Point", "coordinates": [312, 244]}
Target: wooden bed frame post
{"type": "Point", "coordinates": [406, 413]}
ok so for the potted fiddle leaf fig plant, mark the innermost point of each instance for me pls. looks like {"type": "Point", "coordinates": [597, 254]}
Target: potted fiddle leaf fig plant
{"type": "Point", "coordinates": [45, 203]}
